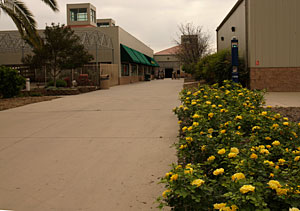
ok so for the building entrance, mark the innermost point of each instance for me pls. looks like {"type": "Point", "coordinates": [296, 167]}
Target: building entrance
{"type": "Point", "coordinates": [168, 72]}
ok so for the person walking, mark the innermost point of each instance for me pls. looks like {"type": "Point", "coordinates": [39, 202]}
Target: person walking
{"type": "Point", "coordinates": [178, 74]}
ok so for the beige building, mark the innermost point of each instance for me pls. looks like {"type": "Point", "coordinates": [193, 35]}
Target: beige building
{"type": "Point", "coordinates": [269, 40]}
{"type": "Point", "coordinates": [168, 61]}
{"type": "Point", "coordinates": [108, 43]}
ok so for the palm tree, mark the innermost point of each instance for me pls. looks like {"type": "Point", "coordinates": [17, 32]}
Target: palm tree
{"type": "Point", "coordinates": [23, 19]}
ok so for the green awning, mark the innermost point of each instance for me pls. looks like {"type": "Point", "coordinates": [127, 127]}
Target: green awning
{"type": "Point", "coordinates": [153, 62]}
{"type": "Point", "coordinates": [133, 56]}
{"type": "Point", "coordinates": [128, 55]}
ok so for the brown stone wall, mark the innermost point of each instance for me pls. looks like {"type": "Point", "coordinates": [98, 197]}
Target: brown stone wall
{"type": "Point", "coordinates": [275, 79]}
{"type": "Point", "coordinates": [124, 80]}
{"type": "Point", "coordinates": [134, 79]}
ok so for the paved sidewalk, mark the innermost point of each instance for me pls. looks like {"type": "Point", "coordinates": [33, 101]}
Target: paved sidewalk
{"type": "Point", "coordinates": [283, 99]}
{"type": "Point", "coordinates": [102, 150]}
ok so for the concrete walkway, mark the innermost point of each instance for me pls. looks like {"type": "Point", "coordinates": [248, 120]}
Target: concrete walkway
{"type": "Point", "coordinates": [102, 150]}
{"type": "Point", "coordinates": [283, 99]}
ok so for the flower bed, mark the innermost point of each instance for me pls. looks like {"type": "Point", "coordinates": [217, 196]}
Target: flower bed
{"type": "Point", "coordinates": [233, 154]}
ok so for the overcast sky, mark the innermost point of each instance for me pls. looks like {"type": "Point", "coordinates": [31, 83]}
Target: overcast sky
{"type": "Point", "coordinates": [154, 22]}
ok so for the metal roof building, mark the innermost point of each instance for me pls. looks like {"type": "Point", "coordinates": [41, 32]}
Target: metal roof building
{"type": "Point", "coordinates": [269, 40]}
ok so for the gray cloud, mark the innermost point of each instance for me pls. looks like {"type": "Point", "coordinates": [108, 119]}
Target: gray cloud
{"type": "Point", "coordinates": [154, 22]}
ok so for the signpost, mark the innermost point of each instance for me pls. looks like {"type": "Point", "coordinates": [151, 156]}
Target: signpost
{"type": "Point", "coordinates": [235, 59]}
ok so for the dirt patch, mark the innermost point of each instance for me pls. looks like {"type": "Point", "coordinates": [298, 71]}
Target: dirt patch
{"type": "Point", "coordinates": [293, 113]}
{"type": "Point", "coordinates": [20, 101]}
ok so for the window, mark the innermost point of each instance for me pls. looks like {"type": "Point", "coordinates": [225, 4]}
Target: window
{"type": "Point", "coordinates": [93, 15]}
{"type": "Point", "coordinates": [134, 70]}
{"type": "Point", "coordinates": [125, 70]}
{"type": "Point", "coordinates": [79, 14]}
{"type": "Point", "coordinates": [106, 24]}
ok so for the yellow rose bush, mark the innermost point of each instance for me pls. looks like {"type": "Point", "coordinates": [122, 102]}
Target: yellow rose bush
{"type": "Point", "coordinates": [233, 153]}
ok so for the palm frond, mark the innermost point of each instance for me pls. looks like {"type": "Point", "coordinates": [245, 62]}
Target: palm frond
{"type": "Point", "coordinates": [52, 4]}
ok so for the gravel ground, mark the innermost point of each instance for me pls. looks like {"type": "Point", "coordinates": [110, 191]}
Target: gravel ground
{"type": "Point", "coordinates": [293, 113]}
{"type": "Point", "coordinates": [20, 101]}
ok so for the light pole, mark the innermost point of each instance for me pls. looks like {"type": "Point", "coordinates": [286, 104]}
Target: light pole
{"type": "Point", "coordinates": [235, 59]}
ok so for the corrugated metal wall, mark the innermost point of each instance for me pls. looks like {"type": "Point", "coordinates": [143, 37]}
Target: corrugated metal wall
{"type": "Point", "coordinates": [274, 33]}
{"type": "Point", "coordinates": [237, 20]}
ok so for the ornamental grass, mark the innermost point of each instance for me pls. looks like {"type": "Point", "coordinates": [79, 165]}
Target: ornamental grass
{"type": "Point", "coordinates": [234, 153]}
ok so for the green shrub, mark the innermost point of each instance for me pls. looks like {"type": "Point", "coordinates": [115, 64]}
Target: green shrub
{"type": "Point", "coordinates": [11, 82]}
{"type": "Point", "coordinates": [59, 83]}
{"type": "Point", "coordinates": [233, 153]}
{"type": "Point", "coordinates": [216, 68]}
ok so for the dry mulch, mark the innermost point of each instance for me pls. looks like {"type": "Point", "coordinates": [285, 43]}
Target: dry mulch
{"type": "Point", "coordinates": [293, 113]}
{"type": "Point", "coordinates": [20, 101]}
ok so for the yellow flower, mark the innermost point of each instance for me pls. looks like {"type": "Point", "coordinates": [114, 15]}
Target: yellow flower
{"type": "Point", "coordinates": [277, 167]}
{"type": "Point", "coordinates": [299, 124]}
{"type": "Point", "coordinates": [268, 146]}
{"type": "Point", "coordinates": [221, 151]}
{"type": "Point", "coordinates": [238, 176]}
{"type": "Point", "coordinates": [189, 139]}
{"type": "Point", "coordinates": [234, 208]}
{"type": "Point", "coordinates": [276, 143]}
{"type": "Point", "coordinates": [281, 161]}
{"type": "Point", "coordinates": [211, 158]}
{"type": "Point", "coordinates": [174, 177]}
{"type": "Point", "coordinates": [184, 129]}
{"type": "Point", "coordinates": [223, 131]}
{"type": "Point", "coordinates": [185, 108]}
{"type": "Point", "coordinates": [210, 115]}
{"type": "Point", "coordinates": [235, 150]}
{"type": "Point", "coordinates": [269, 106]}
{"type": "Point", "coordinates": [238, 133]}
{"type": "Point", "coordinates": [188, 93]}
{"type": "Point", "coordinates": [168, 174]}
{"type": "Point", "coordinates": [178, 167]}
{"type": "Point", "coordinates": [203, 148]}
{"type": "Point", "coordinates": [218, 171]}
{"type": "Point", "coordinates": [190, 128]}
{"type": "Point", "coordinates": [275, 126]}
{"type": "Point", "coordinates": [274, 184]}
{"type": "Point", "coordinates": [220, 106]}
{"type": "Point", "coordinates": [179, 122]}
{"type": "Point", "coordinates": [165, 193]}
{"type": "Point", "coordinates": [281, 191]}
{"type": "Point", "coordinates": [255, 128]}
{"type": "Point", "coordinates": [268, 139]}
{"type": "Point", "coordinates": [272, 175]}
{"type": "Point", "coordinates": [264, 151]}
{"type": "Point", "coordinates": [198, 182]}
{"type": "Point", "coordinates": [297, 158]}
{"type": "Point", "coordinates": [264, 113]}
{"type": "Point", "coordinates": [285, 119]}
{"type": "Point", "coordinates": [294, 209]}
{"type": "Point", "coordinates": [196, 124]}
{"type": "Point", "coordinates": [210, 130]}
{"type": "Point", "coordinates": [213, 106]}
{"type": "Point", "coordinates": [286, 123]}
{"type": "Point", "coordinates": [182, 146]}
{"type": "Point", "coordinates": [232, 155]}
{"type": "Point", "coordinates": [196, 116]}
{"type": "Point", "coordinates": [239, 117]}
{"type": "Point", "coordinates": [219, 206]}
{"type": "Point", "coordinates": [253, 156]}
{"type": "Point", "coordinates": [247, 188]}
{"type": "Point", "coordinates": [193, 103]}
{"type": "Point", "coordinates": [208, 102]}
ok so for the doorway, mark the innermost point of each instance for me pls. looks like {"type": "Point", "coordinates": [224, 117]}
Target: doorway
{"type": "Point", "coordinates": [168, 72]}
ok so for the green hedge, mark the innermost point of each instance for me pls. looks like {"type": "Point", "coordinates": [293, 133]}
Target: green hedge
{"type": "Point", "coordinates": [216, 68]}
{"type": "Point", "coordinates": [234, 154]}
{"type": "Point", "coordinates": [11, 82]}
{"type": "Point", "coordinates": [59, 83]}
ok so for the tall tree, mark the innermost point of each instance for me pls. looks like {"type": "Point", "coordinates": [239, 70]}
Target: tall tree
{"type": "Point", "coordinates": [61, 50]}
{"type": "Point", "coordinates": [193, 45]}
{"type": "Point", "coordinates": [24, 20]}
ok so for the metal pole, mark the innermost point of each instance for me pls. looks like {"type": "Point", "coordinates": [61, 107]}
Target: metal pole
{"type": "Point", "coordinates": [235, 59]}
{"type": "Point", "coordinates": [98, 76]}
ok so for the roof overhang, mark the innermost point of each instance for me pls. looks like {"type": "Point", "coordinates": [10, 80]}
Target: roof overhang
{"type": "Point", "coordinates": [230, 13]}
